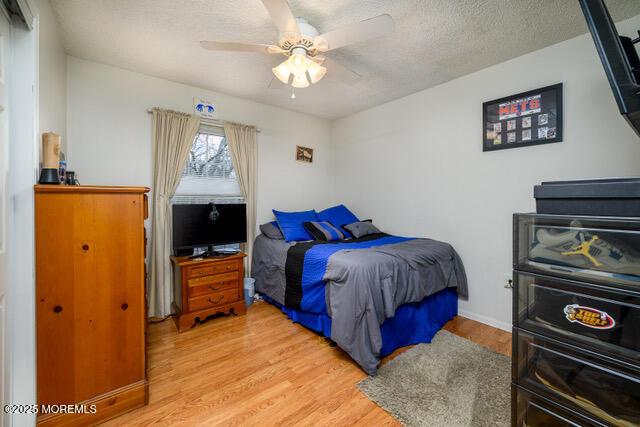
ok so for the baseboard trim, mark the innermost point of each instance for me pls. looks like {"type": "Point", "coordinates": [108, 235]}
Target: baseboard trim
{"type": "Point", "coordinates": [486, 320]}
{"type": "Point", "coordinates": [108, 405]}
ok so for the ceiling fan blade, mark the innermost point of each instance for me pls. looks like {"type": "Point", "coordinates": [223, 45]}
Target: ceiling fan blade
{"type": "Point", "coordinates": [341, 72]}
{"type": "Point", "coordinates": [240, 47]}
{"type": "Point", "coordinates": [281, 15]}
{"type": "Point", "coordinates": [318, 59]}
{"type": "Point", "coordinates": [363, 30]}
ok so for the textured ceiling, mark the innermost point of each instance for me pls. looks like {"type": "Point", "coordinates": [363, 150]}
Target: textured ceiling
{"type": "Point", "coordinates": [434, 41]}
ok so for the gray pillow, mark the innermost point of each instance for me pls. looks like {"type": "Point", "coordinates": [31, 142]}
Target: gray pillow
{"type": "Point", "coordinates": [271, 230]}
{"type": "Point", "coordinates": [361, 228]}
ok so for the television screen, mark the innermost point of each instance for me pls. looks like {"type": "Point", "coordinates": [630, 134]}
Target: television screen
{"type": "Point", "coordinates": [198, 225]}
{"type": "Point", "coordinates": [619, 58]}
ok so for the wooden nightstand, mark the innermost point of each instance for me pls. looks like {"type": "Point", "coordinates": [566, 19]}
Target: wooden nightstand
{"type": "Point", "coordinates": [206, 286]}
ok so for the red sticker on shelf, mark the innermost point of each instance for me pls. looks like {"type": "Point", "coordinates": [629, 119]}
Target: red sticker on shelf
{"type": "Point", "coordinates": [589, 317]}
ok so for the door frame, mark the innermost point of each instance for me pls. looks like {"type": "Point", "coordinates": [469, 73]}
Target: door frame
{"type": "Point", "coordinates": [20, 366]}
{"type": "Point", "coordinates": [5, 208]}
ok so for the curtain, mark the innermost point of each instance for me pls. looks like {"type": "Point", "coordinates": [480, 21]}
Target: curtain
{"type": "Point", "coordinates": [172, 137]}
{"type": "Point", "coordinates": [244, 153]}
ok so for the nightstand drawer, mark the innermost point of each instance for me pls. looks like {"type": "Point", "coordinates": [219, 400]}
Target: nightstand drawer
{"type": "Point", "coordinates": [209, 284]}
{"type": "Point", "coordinates": [211, 269]}
{"type": "Point", "coordinates": [214, 299]}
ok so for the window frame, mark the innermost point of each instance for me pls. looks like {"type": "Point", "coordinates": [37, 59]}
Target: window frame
{"type": "Point", "coordinates": [205, 197]}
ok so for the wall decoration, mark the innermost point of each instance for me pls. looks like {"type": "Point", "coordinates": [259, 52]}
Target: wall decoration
{"type": "Point", "coordinates": [304, 154]}
{"type": "Point", "coordinates": [528, 118]}
{"type": "Point", "coordinates": [204, 108]}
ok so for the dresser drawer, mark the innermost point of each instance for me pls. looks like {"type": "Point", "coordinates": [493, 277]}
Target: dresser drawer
{"type": "Point", "coordinates": [214, 299]}
{"type": "Point", "coordinates": [211, 269]}
{"type": "Point", "coordinates": [579, 248]}
{"type": "Point", "coordinates": [531, 410]}
{"type": "Point", "coordinates": [603, 387]}
{"type": "Point", "coordinates": [209, 284]}
{"type": "Point", "coordinates": [603, 318]}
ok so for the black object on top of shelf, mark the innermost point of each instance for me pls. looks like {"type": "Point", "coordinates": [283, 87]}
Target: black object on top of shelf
{"type": "Point", "coordinates": [598, 197]}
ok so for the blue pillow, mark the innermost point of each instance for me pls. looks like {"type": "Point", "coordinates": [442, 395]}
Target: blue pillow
{"type": "Point", "coordinates": [338, 216]}
{"type": "Point", "coordinates": [290, 224]}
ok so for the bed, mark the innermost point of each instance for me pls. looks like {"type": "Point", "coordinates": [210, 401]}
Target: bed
{"type": "Point", "coordinates": [370, 295]}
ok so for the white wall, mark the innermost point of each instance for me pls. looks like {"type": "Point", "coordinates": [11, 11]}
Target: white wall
{"type": "Point", "coordinates": [109, 135]}
{"type": "Point", "coordinates": [52, 74]}
{"type": "Point", "coordinates": [416, 166]}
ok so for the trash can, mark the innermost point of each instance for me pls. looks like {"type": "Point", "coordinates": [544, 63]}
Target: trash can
{"type": "Point", "coordinates": [249, 290]}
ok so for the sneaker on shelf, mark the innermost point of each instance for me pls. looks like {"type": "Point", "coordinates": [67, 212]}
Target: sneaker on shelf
{"type": "Point", "coordinates": [581, 249]}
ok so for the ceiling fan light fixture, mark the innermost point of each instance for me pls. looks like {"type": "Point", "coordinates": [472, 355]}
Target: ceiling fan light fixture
{"type": "Point", "coordinates": [299, 65]}
{"type": "Point", "coordinates": [316, 72]}
{"type": "Point", "coordinates": [282, 72]}
{"type": "Point", "coordinates": [300, 81]}
{"type": "Point", "coordinates": [298, 62]}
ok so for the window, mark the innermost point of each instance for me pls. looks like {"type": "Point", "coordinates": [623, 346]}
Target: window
{"type": "Point", "coordinates": [209, 169]}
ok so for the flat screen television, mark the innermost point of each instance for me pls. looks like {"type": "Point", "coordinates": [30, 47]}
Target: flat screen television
{"type": "Point", "coordinates": [619, 58]}
{"type": "Point", "coordinates": [208, 225]}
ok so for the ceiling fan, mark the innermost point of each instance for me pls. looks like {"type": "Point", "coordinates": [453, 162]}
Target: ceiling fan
{"type": "Point", "coordinates": [305, 47]}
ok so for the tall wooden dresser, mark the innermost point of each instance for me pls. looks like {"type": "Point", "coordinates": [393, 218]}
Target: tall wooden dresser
{"type": "Point", "coordinates": [90, 300]}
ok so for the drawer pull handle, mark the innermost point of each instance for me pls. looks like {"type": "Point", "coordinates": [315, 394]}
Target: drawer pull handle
{"type": "Point", "coordinates": [85, 247]}
{"type": "Point", "coordinates": [124, 306]}
{"type": "Point", "coordinates": [213, 288]}
{"type": "Point", "coordinates": [216, 301]}
{"type": "Point", "coordinates": [57, 309]}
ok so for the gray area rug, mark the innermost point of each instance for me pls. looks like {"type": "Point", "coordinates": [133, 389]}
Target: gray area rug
{"type": "Point", "coordinates": [449, 382]}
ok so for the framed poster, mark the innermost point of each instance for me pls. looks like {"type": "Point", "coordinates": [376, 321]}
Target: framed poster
{"type": "Point", "coordinates": [304, 154]}
{"type": "Point", "coordinates": [528, 118]}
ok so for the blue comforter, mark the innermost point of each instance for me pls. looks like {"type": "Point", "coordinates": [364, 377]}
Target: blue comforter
{"type": "Point", "coordinates": [307, 266]}
{"type": "Point", "coordinates": [360, 283]}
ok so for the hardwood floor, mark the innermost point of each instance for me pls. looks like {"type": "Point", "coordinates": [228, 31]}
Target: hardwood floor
{"type": "Point", "coordinates": [487, 336]}
{"type": "Point", "coordinates": [261, 369]}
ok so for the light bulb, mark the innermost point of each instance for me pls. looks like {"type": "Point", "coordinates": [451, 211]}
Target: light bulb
{"type": "Point", "coordinates": [298, 63]}
{"type": "Point", "coordinates": [298, 60]}
{"type": "Point", "coordinates": [282, 72]}
{"type": "Point", "coordinates": [316, 72]}
{"type": "Point", "coordinates": [300, 81]}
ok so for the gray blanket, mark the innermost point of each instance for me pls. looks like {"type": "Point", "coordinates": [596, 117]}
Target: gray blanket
{"type": "Point", "coordinates": [267, 267]}
{"type": "Point", "coordinates": [366, 286]}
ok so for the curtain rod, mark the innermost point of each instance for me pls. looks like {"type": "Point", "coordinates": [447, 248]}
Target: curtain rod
{"type": "Point", "coordinates": [210, 122]}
